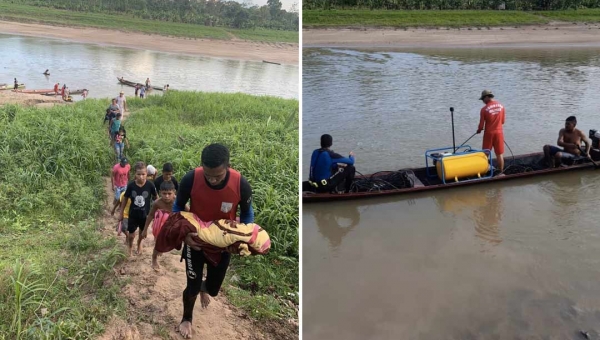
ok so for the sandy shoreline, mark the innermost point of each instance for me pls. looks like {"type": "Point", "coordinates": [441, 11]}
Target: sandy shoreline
{"type": "Point", "coordinates": [27, 99]}
{"type": "Point", "coordinates": [284, 53]}
{"type": "Point", "coordinates": [550, 35]}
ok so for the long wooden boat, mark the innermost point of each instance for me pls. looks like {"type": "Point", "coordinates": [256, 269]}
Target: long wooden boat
{"type": "Point", "coordinates": [270, 62]}
{"type": "Point", "coordinates": [133, 84]}
{"type": "Point", "coordinates": [78, 91]}
{"type": "Point", "coordinates": [521, 166]}
{"type": "Point", "coordinates": [39, 91]}
{"type": "Point", "coordinates": [11, 86]}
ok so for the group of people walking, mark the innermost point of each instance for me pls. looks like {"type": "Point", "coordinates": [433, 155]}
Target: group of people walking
{"type": "Point", "coordinates": [211, 191]}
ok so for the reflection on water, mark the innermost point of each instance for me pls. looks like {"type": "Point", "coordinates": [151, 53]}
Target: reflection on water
{"type": "Point", "coordinates": [332, 224]}
{"type": "Point", "coordinates": [510, 260]}
{"type": "Point", "coordinates": [97, 68]}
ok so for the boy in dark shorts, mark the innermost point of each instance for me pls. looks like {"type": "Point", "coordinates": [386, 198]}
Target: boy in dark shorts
{"type": "Point", "coordinates": [164, 203]}
{"type": "Point", "coordinates": [141, 192]}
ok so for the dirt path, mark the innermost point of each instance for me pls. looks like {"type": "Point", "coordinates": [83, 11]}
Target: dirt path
{"type": "Point", "coordinates": [154, 306]}
{"type": "Point", "coordinates": [285, 53]}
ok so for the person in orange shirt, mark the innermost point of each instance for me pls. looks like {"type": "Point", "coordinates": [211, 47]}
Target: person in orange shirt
{"type": "Point", "coordinates": [493, 115]}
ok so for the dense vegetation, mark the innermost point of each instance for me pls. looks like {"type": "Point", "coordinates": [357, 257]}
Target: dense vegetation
{"type": "Point", "coordinates": [452, 4]}
{"type": "Point", "coordinates": [54, 259]}
{"type": "Point", "coordinates": [262, 136]}
{"type": "Point", "coordinates": [441, 18]}
{"type": "Point", "coordinates": [200, 12]}
{"type": "Point", "coordinates": [384, 18]}
{"type": "Point", "coordinates": [55, 271]}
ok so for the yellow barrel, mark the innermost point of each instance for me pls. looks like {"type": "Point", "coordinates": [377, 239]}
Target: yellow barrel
{"type": "Point", "coordinates": [461, 166]}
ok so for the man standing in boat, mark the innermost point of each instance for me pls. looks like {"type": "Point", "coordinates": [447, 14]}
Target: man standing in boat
{"type": "Point", "coordinates": [328, 169]}
{"type": "Point", "coordinates": [570, 139]}
{"type": "Point", "coordinates": [493, 115]}
{"type": "Point", "coordinates": [16, 84]}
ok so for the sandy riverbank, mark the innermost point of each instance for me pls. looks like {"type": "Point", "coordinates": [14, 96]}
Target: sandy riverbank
{"type": "Point", "coordinates": [284, 53]}
{"type": "Point", "coordinates": [25, 99]}
{"type": "Point", "coordinates": [550, 35]}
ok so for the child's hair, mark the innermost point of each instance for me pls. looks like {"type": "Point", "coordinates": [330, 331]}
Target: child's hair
{"type": "Point", "coordinates": [122, 128]}
{"type": "Point", "coordinates": [167, 167]}
{"type": "Point", "coordinates": [118, 115]}
{"type": "Point", "coordinates": [139, 166]}
{"type": "Point", "coordinates": [167, 186]}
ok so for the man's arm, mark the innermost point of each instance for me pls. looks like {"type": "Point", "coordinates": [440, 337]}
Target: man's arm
{"type": "Point", "coordinates": [246, 210]}
{"type": "Point", "coordinates": [503, 115]}
{"type": "Point", "coordinates": [337, 158]}
{"type": "Point", "coordinates": [561, 139]}
{"type": "Point", "coordinates": [588, 144]}
{"type": "Point", "coordinates": [184, 192]}
{"type": "Point", "coordinates": [481, 121]}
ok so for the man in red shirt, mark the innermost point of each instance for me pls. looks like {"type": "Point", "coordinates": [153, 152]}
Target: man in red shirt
{"type": "Point", "coordinates": [493, 115]}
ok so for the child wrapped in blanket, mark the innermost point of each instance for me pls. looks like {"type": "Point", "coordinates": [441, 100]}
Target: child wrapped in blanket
{"type": "Point", "coordinates": [214, 237]}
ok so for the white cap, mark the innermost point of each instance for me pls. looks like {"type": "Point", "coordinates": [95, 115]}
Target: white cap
{"type": "Point", "coordinates": [151, 170]}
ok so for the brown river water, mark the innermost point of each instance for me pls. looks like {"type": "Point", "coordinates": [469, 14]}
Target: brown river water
{"type": "Point", "coordinates": [510, 260]}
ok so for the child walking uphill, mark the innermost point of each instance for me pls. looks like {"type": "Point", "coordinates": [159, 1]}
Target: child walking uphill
{"type": "Point", "coordinates": [119, 179]}
{"type": "Point", "coordinates": [141, 192]}
{"type": "Point", "coordinates": [120, 142]}
{"type": "Point", "coordinates": [161, 207]}
{"type": "Point", "coordinates": [115, 126]}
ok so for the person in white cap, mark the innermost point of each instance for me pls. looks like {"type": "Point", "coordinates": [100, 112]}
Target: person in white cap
{"type": "Point", "coordinates": [151, 172]}
{"type": "Point", "coordinates": [122, 102]}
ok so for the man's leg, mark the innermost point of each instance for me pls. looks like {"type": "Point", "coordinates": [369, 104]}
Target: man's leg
{"type": "Point", "coordinates": [194, 264]}
{"type": "Point", "coordinates": [547, 156]}
{"type": "Point", "coordinates": [216, 274]}
{"type": "Point", "coordinates": [498, 143]}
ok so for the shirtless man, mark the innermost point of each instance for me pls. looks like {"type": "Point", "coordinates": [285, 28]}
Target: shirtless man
{"type": "Point", "coordinates": [570, 139]}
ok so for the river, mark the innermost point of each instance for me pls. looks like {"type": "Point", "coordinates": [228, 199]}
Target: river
{"type": "Point", "coordinates": [97, 67]}
{"type": "Point", "coordinates": [509, 260]}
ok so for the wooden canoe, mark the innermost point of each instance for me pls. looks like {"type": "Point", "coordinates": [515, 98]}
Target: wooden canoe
{"type": "Point", "coordinates": [78, 91]}
{"type": "Point", "coordinates": [133, 84]}
{"type": "Point", "coordinates": [523, 166]}
{"type": "Point", "coordinates": [41, 91]}
{"type": "Point", "coordinates": [271, 62]}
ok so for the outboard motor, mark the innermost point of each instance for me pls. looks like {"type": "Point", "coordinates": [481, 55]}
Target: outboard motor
{"type": "Point", "coordinates": [595, 138]}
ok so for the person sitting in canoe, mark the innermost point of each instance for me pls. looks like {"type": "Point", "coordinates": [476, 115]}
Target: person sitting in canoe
{"type": "Point", "coordinates": [329, 169]}
{"type": "Point", "coordinates": [570, 139]}
{"type": "Point", "coordinates": [47, 72]}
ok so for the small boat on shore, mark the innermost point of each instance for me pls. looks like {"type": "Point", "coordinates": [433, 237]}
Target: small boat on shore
{"type": "Point", "coordinates": [41, 91]}
{"type": "Point", "coordinates": [133, 84]}
{"type": "Point", "coordinates": [78, 91]}
{"type": "Point", "coordinates": [271, 62]}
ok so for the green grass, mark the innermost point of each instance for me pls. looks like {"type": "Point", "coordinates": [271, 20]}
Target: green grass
{"type": "Point", "coordinates": [55, 265]}
{"type": "Point", "coordinates": [50, 16]}
{"type": "Point", "coordinates": [262, 135]}
{"type": "Point", "coordinates": [55, 272]}
{"type": "Point", "coordinates": [404, 19]}
{"type": "Point", "coordinates": [580, 15]}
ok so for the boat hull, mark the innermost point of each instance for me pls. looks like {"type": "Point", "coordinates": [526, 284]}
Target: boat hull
{"type": "Point", "coordinates": [423, 183]}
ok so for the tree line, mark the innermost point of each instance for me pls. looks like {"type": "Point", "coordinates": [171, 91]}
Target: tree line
{"type": "Point", "coordinates": [452, 4]}
{"type": "Point", "coordinates": [200, 12]}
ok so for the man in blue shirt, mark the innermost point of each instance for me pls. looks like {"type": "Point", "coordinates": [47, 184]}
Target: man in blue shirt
{"type": "Point", "coordinates": [329, 169]}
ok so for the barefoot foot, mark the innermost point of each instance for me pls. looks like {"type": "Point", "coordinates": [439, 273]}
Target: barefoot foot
{"type": "Point", "coordinates": [204, 299]}
{"type": "Point", "coordinates": [185, 328]}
